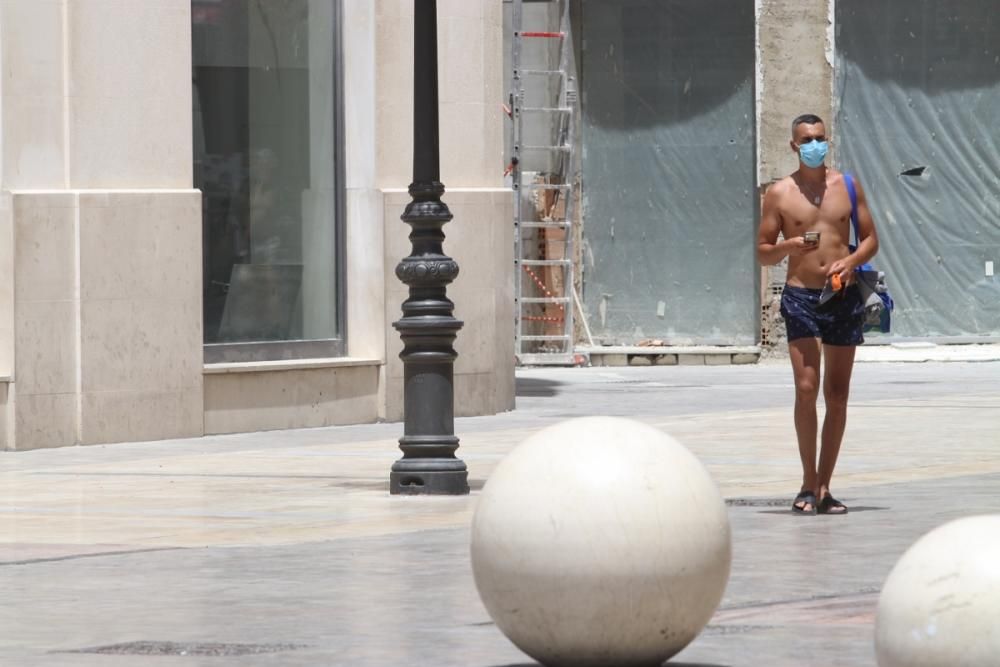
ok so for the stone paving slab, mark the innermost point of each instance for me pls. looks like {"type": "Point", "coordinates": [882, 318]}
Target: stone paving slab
{"type": "Point", "coordinates": [289, 539]}
{"type": "Point", "coordinates": [800, 586]}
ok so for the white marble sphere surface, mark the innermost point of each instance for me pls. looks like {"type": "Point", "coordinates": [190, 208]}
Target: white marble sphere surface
{"type": "Point", "coordinates": [600, 541]}
{"type": "Point", "coordinates": [940, 606]}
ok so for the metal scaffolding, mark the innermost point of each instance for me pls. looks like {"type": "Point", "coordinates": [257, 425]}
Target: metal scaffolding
{"type": "Point", "coordinates": [544, 189]}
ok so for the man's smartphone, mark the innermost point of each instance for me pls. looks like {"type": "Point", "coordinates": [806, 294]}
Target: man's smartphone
{"type": "Point", "coordinates": [812, 238]}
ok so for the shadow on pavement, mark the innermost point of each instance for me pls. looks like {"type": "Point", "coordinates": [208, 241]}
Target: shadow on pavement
{"type": "Point", "coordinates": [852, 509]}
{"type": "Point", "coordinates": [474, 484]}
{"type": "Point", "coordinates": [535, 387]}
{"type": "Point", "coordinates": [666, 664]}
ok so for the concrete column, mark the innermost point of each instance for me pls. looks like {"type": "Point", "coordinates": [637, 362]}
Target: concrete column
{"type": "Point", "coordinates": [795, 76]}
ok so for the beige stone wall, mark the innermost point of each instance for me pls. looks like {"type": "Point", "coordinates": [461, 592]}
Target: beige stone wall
{"type": "Point", "coordinates": [293, 398]}
{"type": "Point", "coordinates": [140, 316]}
{"type": "Point", "coordinates": [6, 321]}
{"type": "Point", "coordinates": [104, 228]}
{"type": "Point", "coordinates": [96, 94]}
{"type": "Point", "coordinates": [6, 286]}
{"type": "Point", "coordinates": [480, 239]}
{"type": "Point", "coordinates": [129, 83]}
{"type": "Point", "coordinates": [46, 321]}
{"type": "Point", "coordinates": [795, 76]}
{"type": "Point", "coordinates": [470, 82]}
{"type": "Point", "coordinates": [366, 272]}
{"type": "Point", "coordinates": [6, 416]}
{"type": "Point", "coordinates": [33, 94]}
{"type": "Point", "coordinates": [107, 316]}
{"type": "Point", "coordinates": [100, 301]}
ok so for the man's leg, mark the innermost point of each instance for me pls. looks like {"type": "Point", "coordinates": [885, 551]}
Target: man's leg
{"type": "Point", "coordinates": [805, 355]}
{"type": "Point", "coordinates": [836, 388]}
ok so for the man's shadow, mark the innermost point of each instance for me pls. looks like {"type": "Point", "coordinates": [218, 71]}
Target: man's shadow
{"type": "Point", "coordinates": [853, 509]}
{"type": "Point", "coordinates": [666, 664]}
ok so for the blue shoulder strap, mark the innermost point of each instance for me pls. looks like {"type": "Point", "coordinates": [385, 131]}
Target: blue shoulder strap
{"type": "Point", "coordinates": [849, 182]}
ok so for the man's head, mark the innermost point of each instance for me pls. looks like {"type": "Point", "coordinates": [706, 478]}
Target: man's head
{"type": "Point", "coordinates": [809, 140]}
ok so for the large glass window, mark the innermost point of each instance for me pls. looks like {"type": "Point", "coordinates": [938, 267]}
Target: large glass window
{"type": "Point", "coordinates": [267, 159]}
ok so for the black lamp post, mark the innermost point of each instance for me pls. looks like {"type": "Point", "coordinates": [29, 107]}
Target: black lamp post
{"type": "Point", "coordinates": [428, 329]}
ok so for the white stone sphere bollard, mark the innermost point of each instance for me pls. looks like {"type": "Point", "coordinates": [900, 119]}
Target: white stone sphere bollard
{"type": "Point", "coordinates": [940, 606]}
{"type": "Point", "coordinates": [601, 541]}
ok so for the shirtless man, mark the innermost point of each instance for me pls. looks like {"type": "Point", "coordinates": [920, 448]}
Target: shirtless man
{"type": "Point", "coordinates": [815, 199]}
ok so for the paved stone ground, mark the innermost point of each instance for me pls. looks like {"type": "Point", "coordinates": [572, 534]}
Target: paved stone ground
{"type": "Point", "coordinates": [284, 549]}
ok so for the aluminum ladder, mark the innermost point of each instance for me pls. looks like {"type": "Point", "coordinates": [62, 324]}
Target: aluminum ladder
{"type": "Point", "coordinates": [543, 253]}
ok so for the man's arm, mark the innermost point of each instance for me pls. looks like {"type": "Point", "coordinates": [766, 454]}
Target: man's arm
{"type": "Point", "coordinates": [867, 240]}
{"type": "Point", "coordinates": [769, 249]}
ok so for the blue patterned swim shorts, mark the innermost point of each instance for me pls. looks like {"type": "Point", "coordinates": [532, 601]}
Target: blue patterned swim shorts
{"type": "Point", "coordinates": [837, 322]}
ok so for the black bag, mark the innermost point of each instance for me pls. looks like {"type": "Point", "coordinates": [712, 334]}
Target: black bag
{"type": "Point", "coordinates": [874, 293]}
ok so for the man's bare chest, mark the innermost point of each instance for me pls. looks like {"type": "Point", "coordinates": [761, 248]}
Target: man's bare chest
{"type": "Point", "coordinates": [799, 215]}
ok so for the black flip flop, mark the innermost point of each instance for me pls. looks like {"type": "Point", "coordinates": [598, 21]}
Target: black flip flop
{"type": "Point", "coordinates": [806, 498]}
{"type": "Point", "coordinates": [831, 505]}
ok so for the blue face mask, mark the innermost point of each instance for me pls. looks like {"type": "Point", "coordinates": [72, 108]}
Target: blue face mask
{"type": "Point", "coordinates": [813, 153]}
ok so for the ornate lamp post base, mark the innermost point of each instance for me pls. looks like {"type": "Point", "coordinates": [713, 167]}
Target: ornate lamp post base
{"type": "Point", "coordinates": [428, 478]}
{"type": "Point", "coordinates": [427, 328]}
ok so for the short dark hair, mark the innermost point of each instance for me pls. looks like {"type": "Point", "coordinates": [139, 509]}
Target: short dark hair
{"type": "Point", "coordinates": [807, 119]}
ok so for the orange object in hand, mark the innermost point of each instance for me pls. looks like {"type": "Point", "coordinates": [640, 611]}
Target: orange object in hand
{"type": "Point", "coordinates": [836, 282]}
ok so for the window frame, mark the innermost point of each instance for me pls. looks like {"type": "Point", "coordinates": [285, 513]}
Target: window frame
{"type": "Point", "coordinates": [289, 350]}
